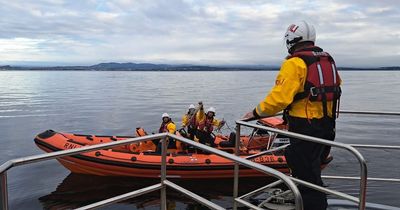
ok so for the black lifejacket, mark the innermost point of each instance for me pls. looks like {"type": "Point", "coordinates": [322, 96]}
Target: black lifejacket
{"type": "Point", "coordinates": [323, 80]}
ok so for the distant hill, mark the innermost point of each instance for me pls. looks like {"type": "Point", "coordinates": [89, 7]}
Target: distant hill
{"type": "Point", "coordinates": [166, 67]}
{"type": "Point", "coordinates": [128, 66]}
{"type": "Point", "coordinates": [113, 66]}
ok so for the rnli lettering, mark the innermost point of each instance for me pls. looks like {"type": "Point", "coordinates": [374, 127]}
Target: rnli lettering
{"type": "Point", "coordinates": [70, 146]}
{"type": "Point", "coordinates": [263, 159]}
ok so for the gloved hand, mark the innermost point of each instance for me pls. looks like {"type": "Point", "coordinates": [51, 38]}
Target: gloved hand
{"type": "Point", "coordinates": [248, 116]}
{"type": "Point", "coordinates": [221, 124]}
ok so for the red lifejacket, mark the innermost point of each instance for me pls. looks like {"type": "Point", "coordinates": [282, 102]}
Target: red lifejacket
{"type": "Point", "coordinates": [207, 125]}
{"type": "Point", "coordinates": [192, 121]}
{"type": "Point", "coordinates": [323, 80]}
{"type": "Point", "coordinates": [163, 127]}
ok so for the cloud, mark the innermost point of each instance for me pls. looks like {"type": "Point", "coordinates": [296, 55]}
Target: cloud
{"type": "Point", "coordinates": [202, 32]}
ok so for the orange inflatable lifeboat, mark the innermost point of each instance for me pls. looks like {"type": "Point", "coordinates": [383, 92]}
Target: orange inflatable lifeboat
{"type": "Point", "coordinates": [142, 159]}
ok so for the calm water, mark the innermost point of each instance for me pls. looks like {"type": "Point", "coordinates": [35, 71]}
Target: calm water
{"type": "Point", "coordinates": [114, 103]}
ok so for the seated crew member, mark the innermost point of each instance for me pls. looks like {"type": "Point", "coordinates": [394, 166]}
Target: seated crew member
{"type": "Point", "coordinates": [167, 125]}
{"type": "Point", "coordinates": [189, 121]}
{"type": "Point", "coordinates": [206, 123]}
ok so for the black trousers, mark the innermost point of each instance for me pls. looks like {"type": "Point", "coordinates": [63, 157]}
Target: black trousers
{"type": "Point", "coordinates": [191, 132]}
{"type": "Point", "coordinates": [171, 144]}
{"type": "Point", "coordinates": [304, 158]}
{"type": "Point", "coordinates": [205, 138]}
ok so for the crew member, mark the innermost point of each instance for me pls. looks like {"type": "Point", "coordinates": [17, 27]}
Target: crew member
{"type": "Point", "coordinates": [189, 121]}
{"type": "Point", "coordinates": [168, 126]}
{"type": "Point", "coordinates": [308, 88]}
{"type": "Point", "coordinates": [206, 124]}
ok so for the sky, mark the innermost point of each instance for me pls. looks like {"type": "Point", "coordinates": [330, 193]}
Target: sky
{"type": "Point", "coordinates": [357, 33]}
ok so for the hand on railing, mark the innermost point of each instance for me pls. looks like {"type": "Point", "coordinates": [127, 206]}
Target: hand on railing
{"type": "Point", "coordinates": [248, 117]}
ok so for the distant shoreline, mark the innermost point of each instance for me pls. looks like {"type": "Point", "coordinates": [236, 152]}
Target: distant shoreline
{"type": "Point", "coordinates": [227, 70]}
{"type": "Point", "coordinates": [166, 67]}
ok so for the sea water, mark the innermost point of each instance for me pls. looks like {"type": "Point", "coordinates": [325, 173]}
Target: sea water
{"type": "Point", "coordinates": [116, 102]}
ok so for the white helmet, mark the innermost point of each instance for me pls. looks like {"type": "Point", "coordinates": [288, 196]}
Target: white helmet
{"type": "Point", "coordinates": [191, 106]}
{"type": "Point", "coordinates": [165, 115]}
{"type": "Point", "coordinates": [299, 32]}
{"type": "Point", "coordinates": [211, 109]}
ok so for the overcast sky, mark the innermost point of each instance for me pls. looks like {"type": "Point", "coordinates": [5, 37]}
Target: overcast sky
{"type": "Point", "coordinates": [355, 32]}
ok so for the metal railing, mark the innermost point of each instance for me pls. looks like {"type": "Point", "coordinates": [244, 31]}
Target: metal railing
{"type": "Point", "coordinates": [164, 182]}
{"type": "Point", "coordinates": [370, 113]}
{"type": "Point", "coordinates": [350, 147]}
{"type": "Point", "coordinates": [289, 181]}
{"type": "Point", "coordinates": [370, 146]}
{"type": "Point", "coordinates": [363, 172]}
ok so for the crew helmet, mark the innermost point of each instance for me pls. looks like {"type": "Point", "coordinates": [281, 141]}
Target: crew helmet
{"type": "Point", "coordinates": [191, 106]}
{"type": "Point", "coordinates": [211, 109]}
{"type": "Point", "coordinates": [165, 115]}
{"type": "Point", "coordinates": [299, 32]}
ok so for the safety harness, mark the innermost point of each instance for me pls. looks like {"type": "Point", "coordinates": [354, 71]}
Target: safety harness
{"type": "Point", "coordinates": [323, 81]}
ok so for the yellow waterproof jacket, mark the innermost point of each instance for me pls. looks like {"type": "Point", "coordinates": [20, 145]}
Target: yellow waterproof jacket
{"type": "Point", "coordinates": [170, 127]}
{"type": "Point", "coordinates": [186, 120]}
{"type": "Point", "coordinates": [201, 120]}
{"type": "Point", "coordinates": [290, 81]}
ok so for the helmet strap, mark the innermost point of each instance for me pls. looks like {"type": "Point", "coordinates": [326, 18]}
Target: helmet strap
{"type": "Point", "coordinates": [299, 46]}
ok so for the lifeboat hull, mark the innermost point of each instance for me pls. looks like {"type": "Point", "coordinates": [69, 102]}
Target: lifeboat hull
{"type": "Point", "coordinates": [117, 162]}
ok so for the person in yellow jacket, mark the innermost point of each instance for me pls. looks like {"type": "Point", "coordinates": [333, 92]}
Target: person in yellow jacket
{"type": "Point", "coordinates": [311, 110]}
{"type": "Point", "coordinates": [205, 125]}
{"type": "Point", "coordinates": [167, 126]}
{"type": "Point", "coordinates": [189, 121]}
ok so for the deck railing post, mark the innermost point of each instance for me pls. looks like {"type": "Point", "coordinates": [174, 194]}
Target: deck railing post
{"type": "Point", "coordinates": [363, 179]}
{"type": "Point", "coordinates": [164, 144]}
{"type": "Point", "coordinates": [236, 168]}
{"type": "Point", "coordinates": [3, 191]}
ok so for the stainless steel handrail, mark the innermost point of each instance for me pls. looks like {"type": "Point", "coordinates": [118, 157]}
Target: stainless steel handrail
{"type": "Point", "coordinates": [164, 182]}
{"type": "Point", "coordinates": [368, 146]}
{"type": "Point", "coordinates": [363, 173]}
{"type": "Point", "coordinates": [122, 197]}
{"type": "Point", "coordinates": [370, 112]}
{"type": "Point", "coordinates": [164, 173]}
{"type": "Point", "coordinates": [194, 196]}
{"type": "Point", "coordinates": [239, 199]}
{"type": "Point", "coordinates": [375, 146]}
{"type": "Point", "coordinates": [358, 178]}
{"type": "Point", "coordinates": [37, 158]}
{"type": "Point", "coordinates": [287, 180]}
{"type": "Point", "coordinates": [48, 156]}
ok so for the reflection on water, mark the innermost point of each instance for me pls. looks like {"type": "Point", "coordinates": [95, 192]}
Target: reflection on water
{"type": "Point", "coordinates": [77, 190]}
